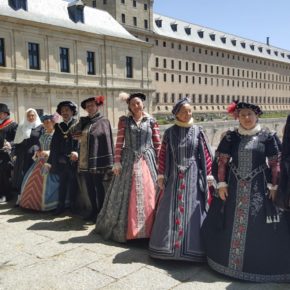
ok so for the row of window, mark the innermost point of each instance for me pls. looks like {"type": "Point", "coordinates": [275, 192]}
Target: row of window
{"type": "Point", "coordinates": [220, 99]}
{"type": "Point", "coordinates": [221, 70]}
{"type": "Point", "coordinates": [224, 55]}
{"type": "Point", "coordinates": [223, 82]}
{"type": "Point", "coordinates": [134, 21]}
{"type": "Point", "coordinates": [134, 3]}
{"type": "Point", "coordinates": [64, 59]}
{"type": "Point", "coordinates": [223, 39]}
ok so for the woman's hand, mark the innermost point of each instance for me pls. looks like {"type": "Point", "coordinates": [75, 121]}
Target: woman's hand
{"type": "Point", "coordinates": [74, 156]}
{"type": "Point", "coordinates": [223, 193]}
{"type": "Point", "coordinates": [117, 168]}
{"type": "Point", "coordinates": [272, 194]}
{"type": "Point", "coordinates": [160, 182]}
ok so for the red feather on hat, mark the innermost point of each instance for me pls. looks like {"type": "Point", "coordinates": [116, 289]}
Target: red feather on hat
{"type": "Point", "coordinates": [100, 100]}
{"type": "Point", "coordinates": [231, 109]}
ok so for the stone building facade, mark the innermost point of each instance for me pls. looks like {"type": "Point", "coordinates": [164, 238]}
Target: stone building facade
{"type": "Point", "coordinates": [209, 66]}
{"type": "Point", "coordinates": [53, 50]}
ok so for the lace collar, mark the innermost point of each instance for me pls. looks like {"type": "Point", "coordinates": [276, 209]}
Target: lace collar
{"type": "Point", "coordinates": [250, 132]}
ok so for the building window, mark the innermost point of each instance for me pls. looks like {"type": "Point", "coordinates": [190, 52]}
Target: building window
{"type": "Point", "coordinates": [172, 78]}
{"type": "Point", "coordinates": [145, 6]}
{"type": "Point", "coordinates": [94, 3]}
{"type": "Point", "coordinates": [129, 67]}
{"type": "Point", "coordinates": [2, 52]}
{"type": "Point", "coordinates": [91, 63]}
{"type": "Point", "coordinates": [18, 4]}
{"type": "Point", "coordinates": [179, 78]}
{"type": "Point", "coordinates": [64, 59]}
{"type": "Point", "coordinates": [33, 52]}
{"type": "Point", "coordinates": [164, 78]}
{"type": "Point", "coordinates": [122, 1]}
{"type": "Point", "coordinates": [123, 18]}
{"type": "Point", "coordinates": [104, 2]}
{"type": "Point", "coordinates": [135, 21]}
{"type": "Point", "coordinates": [172, 64]}
{"type": "Point", "coordinates": [164, 43]}
{"type": "Point", "coordinates": [134, 3]}
{"type": "Point", "coordinates": [165, 98]}
{"type": "Point", "coordinates": [157, 62]}
{"type": "Point", "coordinates": [164, 63]}
{"type": "Point", "coordinates": [172, 98]}
{"type": "Point", "coordinates": [157, 76]}
{"type": "Point", "coordinates": [179, 65]}
{"type": "Point", "coordinates": [146, 24]}
{"type": "Point", "coordinates": [156, 42]}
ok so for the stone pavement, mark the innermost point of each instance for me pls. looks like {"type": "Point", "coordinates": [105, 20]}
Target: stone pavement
{"type": "Point", "coordinates": [39, 251]}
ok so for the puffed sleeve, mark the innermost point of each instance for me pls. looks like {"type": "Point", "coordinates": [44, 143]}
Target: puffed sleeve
{"type": "Point", "coordinates": [120, 139]}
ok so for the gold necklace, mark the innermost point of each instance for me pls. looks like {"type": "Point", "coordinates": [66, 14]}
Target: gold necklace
{"type": "Point", "coordinates": [64, 133]}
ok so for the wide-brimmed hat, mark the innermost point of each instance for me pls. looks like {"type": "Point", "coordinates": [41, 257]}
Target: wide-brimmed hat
{"type": "Point", "coordinates": [69, 104]}
{"type": "Point", "coordinates": [235, 106]}
{"type": "Point", "coordinates": [257, 110]}
{"type": "Point", "coordinates": [99, 100]}
{"type": "Point", "coordinates": [136, 95]}
{"type": "Point", "coordinates": [4, 108]}
{"type": "Point", "coordinates": [179, 104]}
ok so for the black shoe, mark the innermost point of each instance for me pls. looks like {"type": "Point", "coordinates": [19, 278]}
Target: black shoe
{"type": "Point", "coordinates": [59, 211]}
{"type": "Point", "coordinates": [91, 218]}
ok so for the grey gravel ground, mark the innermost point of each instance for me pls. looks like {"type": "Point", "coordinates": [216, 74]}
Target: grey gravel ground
{"type": "Point", "coordinates": [39, 251]}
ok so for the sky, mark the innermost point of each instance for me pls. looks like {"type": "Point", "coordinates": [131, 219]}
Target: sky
{"type": "Point", "coordinates": [252, 19]}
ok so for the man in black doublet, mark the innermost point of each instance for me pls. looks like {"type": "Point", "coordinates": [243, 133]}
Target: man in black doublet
{"type": "Point", "coordinates": [63, 155]}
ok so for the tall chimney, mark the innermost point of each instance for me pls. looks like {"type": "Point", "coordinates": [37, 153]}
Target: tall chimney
{"type": "Point", "coordinates": [268, 40]}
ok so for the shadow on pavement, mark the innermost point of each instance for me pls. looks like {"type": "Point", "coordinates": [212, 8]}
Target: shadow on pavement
{"type": "Point", "coordinates": [67, 224]}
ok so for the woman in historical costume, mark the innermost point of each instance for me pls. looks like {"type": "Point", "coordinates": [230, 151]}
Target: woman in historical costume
{"type": "Point", "coordinates": [184, 165]}
{"type": "Point", "coordinates": [246, 236]}
{"type": "Point", "coordinates": [129, 205]}
{"type": "Point", "coordinates": [40, 190]}
{"type": "Point", "coordinates": [26, 143]}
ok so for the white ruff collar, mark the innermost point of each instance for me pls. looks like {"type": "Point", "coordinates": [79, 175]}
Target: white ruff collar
{"type": "Point", "coordinates": [182, 124]}
{"type": "Point", "coordinates": [250, 132]}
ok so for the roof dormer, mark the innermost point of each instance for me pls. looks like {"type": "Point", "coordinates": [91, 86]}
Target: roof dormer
{"type": "Point", "coordinates": [223, 39]}
{"type": "Point", "coordinates": [173, 26]}
{"type": "Point", "coordinates": [187, 30]}
{"type": "Point", "coordinates": [158, 22]}
{"type": "Point", "coordinates": [200, 33]}
{"type": "Point", "coordinates": [18, 4]}
{"type": "Point", "coordinates": [212, 36]}
{"type": "Point", "coordinates": [76, 11]}
{"type": "Point", "coordinates": [234, 42]}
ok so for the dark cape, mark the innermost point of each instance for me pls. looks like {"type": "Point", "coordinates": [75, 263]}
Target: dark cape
{"type": "Point", "coordinates": [7, 133]}
{"type": "Point", "coordinates": [62, 144]}
{"type": "Point", "coordinates": [24, 152]}
{"type": "Point", "coordinates": [96, 147]}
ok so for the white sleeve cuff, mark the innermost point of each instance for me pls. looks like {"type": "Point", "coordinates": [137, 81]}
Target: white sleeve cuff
{"type": "Point", "coordinates": [270, 186]}
{"type": "Point", "coordinates": [117, 165]}
{"type": "Point", "coordinates": [221, 184]}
